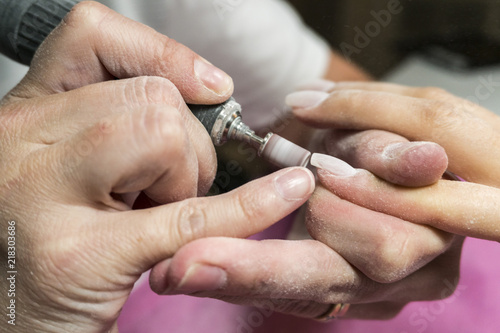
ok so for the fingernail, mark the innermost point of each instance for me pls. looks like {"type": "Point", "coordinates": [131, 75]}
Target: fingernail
{"type": "Point", "coordinates": [212, 77]}
{"type": "Point", "coordinates": [333, 165]}
{"type": "Point", "coordinates": [202, 278]}
{"type": "Point", "coordinates": [396, 150]}
{"type": "Point", "coordinates": [306, 99]}
{"type": "Point", "coordinates": [317, 85]}
{"type": "Point", "coordinates": [295, 184]}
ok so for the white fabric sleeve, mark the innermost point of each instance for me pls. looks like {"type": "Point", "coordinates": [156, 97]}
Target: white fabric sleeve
{"type": "Point", "coordinates": [262, 44]}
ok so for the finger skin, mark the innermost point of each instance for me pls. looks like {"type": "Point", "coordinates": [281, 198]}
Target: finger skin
{"type": "Point", "coordinates": [54, 118]}
{"type": "Point", "coordinates": [155, 234]}
{"type": "Point", "coordinates": [431, 93]}
{"type": "Point", "coordinates": [389, 156]}
{"type": "Point", "coordinates": [131, 152]}
{"type": "Point", "coordinates": [385, 248]}
{"type": "Point", "coordinates": [94, 44]}
{"type": "Point", "coordinates": [448, 124]}
{"type": "Point", "coordinates": [284, 274]}
{"type": "Point", "coordinates": [462, 208]}
{"type": "Point", "coordinates": [267, 277]}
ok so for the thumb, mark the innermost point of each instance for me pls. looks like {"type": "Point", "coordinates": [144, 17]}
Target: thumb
{"type": "Point", "coordinates": [95, 44]}
{"type": "Point", "coordinates": [144, 238]}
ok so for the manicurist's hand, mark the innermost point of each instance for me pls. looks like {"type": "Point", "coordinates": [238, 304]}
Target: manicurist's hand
{"type": "Point", "coordinates": [74, 139]}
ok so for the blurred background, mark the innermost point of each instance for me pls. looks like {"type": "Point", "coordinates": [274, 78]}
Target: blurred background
{"type": "Point", "coordinates": [461, 34]}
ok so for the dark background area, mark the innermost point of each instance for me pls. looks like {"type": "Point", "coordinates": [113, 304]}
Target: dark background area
{"type": "Point", "coordinates": [458, 33]}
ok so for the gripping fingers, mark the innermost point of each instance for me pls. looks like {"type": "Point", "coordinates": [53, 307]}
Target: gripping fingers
{"type": "Point", "coordinates": [95, 44]}
{"type": "Point", "coordinates": [281, 270]}
{"type": "Point", "coordinates": [152, 235]}
{"type": "Point", "coordinates": [301, 278]}
{"type": "Point", "coordinates": [143, 149]}
{"type": "Point", "coordinates": [66, 114]}
{"type": "Point", "coordinates": [385, 248]}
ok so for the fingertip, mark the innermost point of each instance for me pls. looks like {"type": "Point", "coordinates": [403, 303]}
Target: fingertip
{"type": "Point", "coordinates": [317, 85]}
{"type": "Point", "coordinates": [213, 78]}
{"type": "Point", "coordinates": [158, 278]}
{"type": "Point", "coordinates": [295, 184]}
{"type": "Point", "coordinates": [415, 164]}
{"type": "Point", "coordinates": [308, 99]}
{"type": "Point", "coordinates": [333, 165]}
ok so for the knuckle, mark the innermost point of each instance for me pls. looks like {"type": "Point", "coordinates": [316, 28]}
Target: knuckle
{"type": "Point", "coordinates": [393, 259]}
{"type": "Point", "coordinates": [160, 128]}
{"type": "Point", "coordinates": [168, 48]}
{"type": "Point", "coordinates": [56, 255]}
{"type": "Point", "coordinates": [433, 93]}
{"type": "Point", "coordinates": [191, 220]}
{"type": "Point", "coordinates": [152, 90]}
{"type": "Point", "coordinates": [165, 123]}
{"type": "Point", "coordinates": [442, 116]}
{"type": "Point", "coordinates": [345, 100]}
{"type": "Point", "coordinates": [170, 52]}
{"type": "Point", "coordinates": [86, 14]}
{"type": "Point", "coordinates": [248, 205]}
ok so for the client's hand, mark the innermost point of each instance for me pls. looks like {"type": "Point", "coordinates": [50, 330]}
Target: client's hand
{"type": "Point", "coordinates": [71, 145]}
{"type": "Point", "coordinates": [375, 261]}
{"type": "Point", "coordinates": [469, 133]}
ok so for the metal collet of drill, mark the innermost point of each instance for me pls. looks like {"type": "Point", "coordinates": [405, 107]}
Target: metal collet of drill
{"type": "Point", "coordinates": [223, 123]}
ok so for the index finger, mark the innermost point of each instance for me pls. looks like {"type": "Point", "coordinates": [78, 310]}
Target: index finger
{"type": "Point", "coordinates": [448, 124]}
{"type": "Point", "coordinates": [94, 43]}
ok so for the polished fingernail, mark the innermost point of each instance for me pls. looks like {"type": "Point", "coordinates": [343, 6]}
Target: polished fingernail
{"type": "Point", "coordinates": [295, 184]}
{"type": "Point", "coordinates": [332, 165]}
{"type": "Point", "coordinates": [306, 99]}
{"type": "Point", "coordinates": [202, 278]}
{"type": "Point", "coordinates": [317, 85]}
{"type": "Point", "coordinates": [212, 77]}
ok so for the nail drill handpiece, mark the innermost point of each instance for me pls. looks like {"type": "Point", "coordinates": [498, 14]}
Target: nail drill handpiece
{"type": "Point", "coordinates": [223, 122]}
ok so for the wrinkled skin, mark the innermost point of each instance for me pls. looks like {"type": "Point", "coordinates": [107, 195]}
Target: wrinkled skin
{"type": "Point", "coordinates": [74, 140]}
